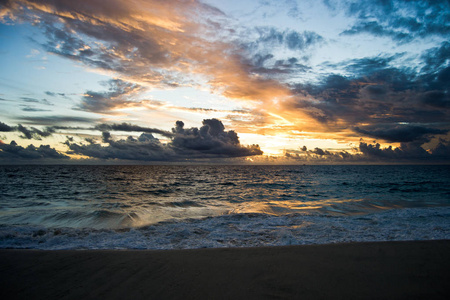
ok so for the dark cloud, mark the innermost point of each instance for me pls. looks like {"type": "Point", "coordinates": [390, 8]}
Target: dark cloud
{"type": "Point", "coordinates": [63, 42]}
{"type": "Point", "coordinates": [435, 73]}
{"type": "Point", "coordinates": [335, 98]}
{"type": "Point", "coordinates": [4, 2]}
{"type": "Point", "coordinates": [106, 137]}
{"type": "Point", "coordinates": [336, 82]}
{"type": "Point", "coordinates": [260, 59]}
{"type": "Point", "coordinates": [28, 108]}
{"type": "Point", "coordinates": [400, 133]}
{"type": "Point", "coordinates": [379, 30]}
{"type": "Point", "coordinates": [437, 99]}
{"type": "Point", "coordinates": [5, 128]}
{"type": "Point", "coordinates": [400, 20]}
{"type": "Point", "coordinates": [265, 65]}
{"type": "Point", "coordinates": [28, 133]}
{"type": "Point", "coordinates": [369, 65]}
{"type": "Point", "coordinates": [374, 153]}
{"type": "Point", "coordinates": [442, 150]}
{"type": "Point", "coordinates": [52, 94]}
{"type": "Point", "coordinates": [118, 95]}
{"type": "Point", "coordinates": [37, 101]}
{"type": "Point", "coordinates": [374, 70]}
{"type": "Point", "coordinates": [293, 40]}
{"type": "Point", "coordinates": [318, 154]}
{"type": "Point", "coordinates": [406, 152]}
{"type": "Point", "coordinates": [13, 153]}
{"type": "Point", "coordinates": [436, 58]}
{"type": "Point", "coordinates": [210, 141]}
{"type": "Point", "coordinates": [34, 133]}
{"type": "Point", "coordinates": [145, 148]}
{"type": "Point", "coordinates": [52, 120]}
{"type": "Point", "coordinates": [380, 96]}
{"type": "Point", "coordinates": [131, 128]}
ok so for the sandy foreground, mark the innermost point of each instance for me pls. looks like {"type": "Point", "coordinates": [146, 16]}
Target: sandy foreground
{"type": "Point", "coordinates": [388, 270]}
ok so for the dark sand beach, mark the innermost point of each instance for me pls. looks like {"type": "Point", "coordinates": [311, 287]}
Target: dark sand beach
{"type": "Point", "coordinates": [385, 270]}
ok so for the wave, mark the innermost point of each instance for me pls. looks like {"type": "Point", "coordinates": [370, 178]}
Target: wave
{"type": "Point", "coordinates": [241, 230]}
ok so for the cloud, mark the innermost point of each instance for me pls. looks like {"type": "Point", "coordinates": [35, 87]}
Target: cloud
{"type": "Point", "coordinates": [436, 99]}
{"type": "Point", "coordinates": [442, 150]}
{"type": "Point", "coordinates": [260, 44]}
{"type": "Point", "coordinates": [400, 20]}
{"type": "Point", "coordinates": [406, 152]}
{"type": "Point", "coordinates": [376, 97]}
{"type": "Point", "coordinates": [34, 133]}
{"type": "Point", "coordinates": [155, 44]}
{"type": "Point", "coordinates": [209, 142]}
{"type": "Point", "coordinates": [13, 153]}
{"type": "Point", "coordinates": [32, 109]}
{"type": "Point", "coordinates": [37, 101]}
{"type": "Point", "coordinates": [212, 129]}
{"type": "Point", "coordinates": [378, 30]}
{"type": "Point", "coordinates": [210, 139]}
{"type": "Point", "coordinates": [374, 153]}
{"type": "Point", "coordinates": [270, 37]}
{"type": "Point", "coordinates": [53, 94]}
{"type": "Point", "coordinates": [132, 128]}
{"type": "Point", "coordinates": [117, 96]}
{"type": "Point", "coordinates": [28, 133]}
{"type": "Point", "coordinates": [405, 133]}
{"type": "Point", "coordinates": [103, 127]}
{"type": "Point", "coordinates": [145, 148]}
{"type": "Point", "coordinates": [369, 65]}
{"type": "Point", "coordinates": [56, 119]}
{"type": "Point", "coordinates": [436, 58]}
{"type": "Point", "coordinates": [435, 72]}
{"type": "Point", "coordinates": [5, 128]}
{"type": "Point", "coordinates": [266, 65]}
{"type": "Point", "coordinates": [320, 155]}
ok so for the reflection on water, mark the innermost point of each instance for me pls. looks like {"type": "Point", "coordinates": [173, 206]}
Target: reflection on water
{"type": "Point", "coordinates": [133, 196]}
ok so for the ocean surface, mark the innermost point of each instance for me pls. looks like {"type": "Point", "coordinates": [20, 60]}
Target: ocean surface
{"type": "Point", "coordinates": [178, 207]}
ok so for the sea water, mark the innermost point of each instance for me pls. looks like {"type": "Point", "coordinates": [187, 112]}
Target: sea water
{"type": "Point", "coordinates": [173, 207]}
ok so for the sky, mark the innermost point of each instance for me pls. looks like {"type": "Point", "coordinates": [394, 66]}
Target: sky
{"type": "Point", "coordinates": [257, 81]}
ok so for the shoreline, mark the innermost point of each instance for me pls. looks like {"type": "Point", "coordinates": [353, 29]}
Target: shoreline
{"type": "Point", "coordinates": [361, 270]}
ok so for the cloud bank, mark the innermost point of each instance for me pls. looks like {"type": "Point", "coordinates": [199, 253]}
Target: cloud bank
{"type": "Point", "coordinates": [11, 153]}
{"type": "Point", "coordinates": [210, 141]}
{"type": "Point", "coordinates": [374, 153]}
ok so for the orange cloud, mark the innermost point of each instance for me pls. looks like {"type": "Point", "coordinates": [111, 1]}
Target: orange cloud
{"type": "Point", "coordinates": [162, 43]}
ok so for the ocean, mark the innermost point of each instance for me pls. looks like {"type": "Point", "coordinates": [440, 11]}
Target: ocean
{"type": "Point", "coordinates": [181, 207]}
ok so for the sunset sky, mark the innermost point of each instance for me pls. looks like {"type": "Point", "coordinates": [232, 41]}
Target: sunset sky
{"type": "Point", "coordinates": [264, 81]}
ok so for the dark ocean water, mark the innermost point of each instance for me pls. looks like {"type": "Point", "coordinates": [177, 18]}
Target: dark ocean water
{"type": "Point", "coordinates": [166, 207]}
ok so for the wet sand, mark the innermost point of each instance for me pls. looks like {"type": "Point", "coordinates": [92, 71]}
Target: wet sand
{"type": "Point", "coordinates": [388, 270]}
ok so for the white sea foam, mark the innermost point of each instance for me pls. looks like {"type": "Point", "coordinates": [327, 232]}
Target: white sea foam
{"type": "Point", "coordinates": [242, 230]}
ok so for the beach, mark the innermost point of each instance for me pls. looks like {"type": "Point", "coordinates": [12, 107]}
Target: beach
{"type": "Point", "coordinates": [381, 270]}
